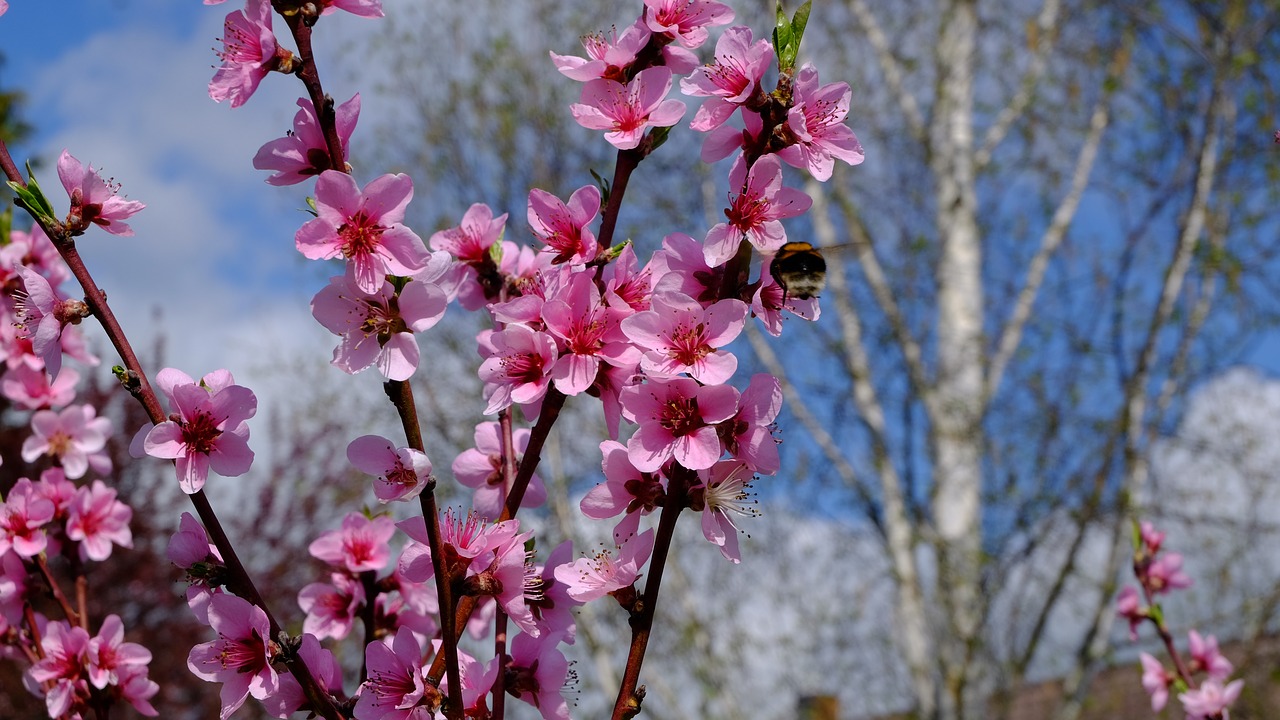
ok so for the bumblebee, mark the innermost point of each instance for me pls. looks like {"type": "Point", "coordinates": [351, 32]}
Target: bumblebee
{"type": "Point", "coordinates": [800, 269]}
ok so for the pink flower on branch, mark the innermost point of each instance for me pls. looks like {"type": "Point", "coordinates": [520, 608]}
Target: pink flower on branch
{"type": "Point", "coordinates": [1129, 606]}
{"type": "Point", "coordinates": [110, 657]}
{"type": "Point", "coordinates": [732, 80]}
{"type": "Point", "coordinates": [481, 467]}
{"type": "Point", "coordinates": [304, 153]}
{"type": "Point", "coordinates": [756, 212]}
{"type": "Point", "coordinates": [331, 607]}
{"type": "Point", "coordinates": [61, 677]}
{"type": "Point", "coordinates": [471, 240]}
{"type": "Point", "coordinates": [591, 578]}
{"type": "Point", "coordinates": [679, 335]}
{"type": "Point", "coordinates": [208, 429]}
{"type": "Point", "coordinates": [396, 686]}
{"type": "Point", "coordinates": [1156, 681]}
{"type": "Point", "coordinates": [361, 544]}
{"type": "Point", "coordinates": [686, 20]}
{"type": "Point", "coordinates": [42, 314]}
{"type": "Point", "coordinates": [31, 389]}
{"type": "Point", "coordinates": [377, 327]}
{"type": "Point", "coordinates": [722, 495]}
{"type": "Point", "coordinates": [94, 200]}
{"type": "Point", "coordinates": [677, 419]}
{"type": "Point", "coordinates": [624, 490]}
{"type": "Point", "coordinates": [360, 8]}
{"type": "Point", "coordinates": [517, 366]}
{"type": "Point", "coordinates": [748, 435]}
{"type": "Point", "coordinates": [537, 673]}
{"type": "Point", "coordinates": [588, 332]}
{"type": "Point", "coordinates": [75, 436]}
{"type": "Point", "coordinates": [249, 52]}
{"type": "Point", "coordinates": [1211, 699]}
{"type": "Point", "coordinates": [626, 111]}
{"type": "Point", "coordinates": [364, 227]}
{"type": "Point", "coordinates": [609, 57]}
{"type": "Point", "coordinates": [563, 227]}
{"type": "Point", "coordinates": [23, 516]}
{"type": "Point", "coordinates": [816, 121]}
{"type": "Point", "coordinates": [402, 472]}
{"type": "Point", "coordinates": [241, 657]}
{"type": "Point", "coordinates": [1207, 658]}
{"type": "Point", "coordinates": [97, 520]}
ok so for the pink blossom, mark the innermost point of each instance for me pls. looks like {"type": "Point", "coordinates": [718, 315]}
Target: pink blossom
{"type": "Point", "coordinates": [676, 420]}
{"type": "Point", "coordinates": [97, 519]}
{"type": "Point", "coordinates": [4, 7]}
{"type": "Point", "coordinates": [190, 549]}
{"type": "Point", "coordinates": [331, 607]}
{"type": "Point", "coordinates": [537, 671]}
{"type": "Point", "coordinates": [550, 603]}
{"type": "Point", "coordinates": [609, 57]}
{"type": "Point", "coordinates": [361, 544]}
{"type": "Point", "coordinates": [31, 389]}
{"type": "Point", "coordinates": [678, 335]}
{"type": "Point", "coordinates": [364, 227]}
{"type": "Point", "coordinates": [626, 111]}
{"type": "Point", "coordinates": [724, 140]}
{"type": "Point", "coordinates": [1129, 606]}
{"type": "Point", "coordinates": [241, 657]}
{"type": "Point", "coordinates": [472, 239]}
{"type": "Point", "coordinates": [756, 212]}
{"type": "Point", "coordinates": [1165, 574]}
{"type": "Point", "coordinates": [721, 495]}
{"type": "Point", "coordinates": [627, 286]}
{"type": "Point", "coordinates": [304, 152]}
{"type": "Point", "coordinates": [63, 670]}
{"type": "Point", "coordinates": [110, 656]}
{"type": "Point", "coordinates": [53, 484]}
{"type": "Point", "coordinates": [748, 435]}
{"type": "Point", "coordinates": [23, 515]}
{"type": "Point", "coordinates": [515, 578]}
{"type": "Point", "coordinates": [686, 20]}
{"type": "Point", "coordinates": [249, 52]}
{"type": "Point", "coordinates": [395, 685]}
{"type": "Point", "coordinates": [402, 472]}
{"type": "Point", "coordinates": [517, 366]}
{"type": "Point", "coordinates": [588, 332]}
{"type": "Point", "coordinates": [378, 327]}
{"type": "Point", "coordinates": [208, 428]}
{"type": "Point", "coordinates": [481, 468]}
{"type": "Point", "coordinates": [42, 313]}
{"type": "Point", "coordinates": [1211, 699]}
{"type": "Point", "coordinates": [13, 588]}
{"type": "Point", "coordinates": [75, 436]}
{"type": "Point", "coordinates": [732, 80]}
{"type": "Point", "coordinates": [1207, 658]}
{"type": "Point", "coordinates": [563, 227]}
{"type": "Point", "coordinates": [1156, 681]}
{"type": "Point", "coordinates": [681, 266]}
{"type": "Point", "coordinates": [137, 689]}
{"type": "Point", "coordinates": [816, 120]}
{"type": "Point", "coordinates": [94, 200]}
{"type": "Point", "coordinates": [324, 668]}
{"type": "Point", "coordinates": [34, 250]}
{"type": "Point", "coordinates": [624, 490]}
{"type": "Point", "coordinates": [361, 8]}
{"type": "Point", "coordinates": [470, 541]}
{"type": "Point", "coordinates": [1152, 539]}
{"type": "Point", "coordinates": [588, 579]}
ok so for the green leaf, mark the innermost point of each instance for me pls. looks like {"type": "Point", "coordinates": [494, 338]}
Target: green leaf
{"type": "Point", "coordinates": [6, 225]}
{"type": "Point", "coordinates": [782, 36]}
{"type": "Point", "coordinates": [798, 23]}
{"type": "Point", "coordinates": [45, 208]}
{"type": "Point", "coordinates": [657, 136]}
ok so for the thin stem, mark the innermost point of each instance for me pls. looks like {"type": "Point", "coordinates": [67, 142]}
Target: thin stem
{"type": "Point", "coordinates": [500, 652]}
{"type": "Point", "coordinates": [401, 394]}
{"type": "Point", "coordinates": [628, 702]}
{"type": "Point", "coordinates": [72, 616]}
{"type": "Point", "coordinates": [628, 160]}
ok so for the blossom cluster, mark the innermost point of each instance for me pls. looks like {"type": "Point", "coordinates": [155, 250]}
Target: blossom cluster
{"type": "Point", "coordinates": [571, 315]}
{"type": "Point", "coordinates": [1159, 574]}
{"type": "Point", "coordinates": [67, 511]}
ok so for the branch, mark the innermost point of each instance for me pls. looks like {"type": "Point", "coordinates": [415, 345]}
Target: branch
{"type": "Point", "coordinates": [898, 530]}
{"type": "Point", "coordinates": [1046, 34]}
{"type": "Point", "coordinates": [892, 69]}
{"type": "Point", "coordinates": [878, 281]}
{"type": "Point", "coordinates": [1011, 335]}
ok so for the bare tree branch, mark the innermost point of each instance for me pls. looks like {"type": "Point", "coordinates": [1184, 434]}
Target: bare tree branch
{"type": "Point", "coordinates": [899, 534]}
{"type": "Point", "coordinates": [892, 69]}
{"type": "Point", "coordinates": [1046, 33]}
{"type": "Point", "coordinates": [1011, 335]}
